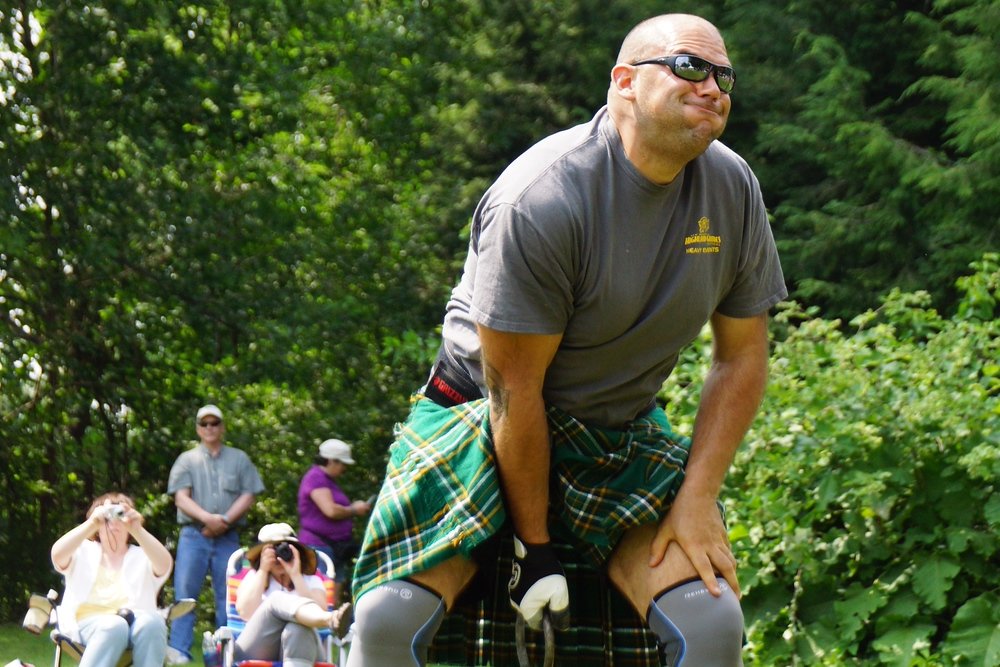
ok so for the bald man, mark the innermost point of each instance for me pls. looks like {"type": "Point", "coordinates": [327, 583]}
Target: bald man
{"type": "Point", "coordinates": [595, 258]}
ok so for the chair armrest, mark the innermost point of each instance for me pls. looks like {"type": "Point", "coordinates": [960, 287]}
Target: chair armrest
{"type": "Point", "coordinates": [39, 613]}
{"type": "Point", "coordinates": [67, 646]}
{"type": "Point", "coordinates": [178, 608]}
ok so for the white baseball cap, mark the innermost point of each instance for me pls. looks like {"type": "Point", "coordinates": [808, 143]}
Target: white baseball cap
{"type": "Point", "coordinates": [208, 410]}
{"type": "Point", "coordinates": [337, 450]}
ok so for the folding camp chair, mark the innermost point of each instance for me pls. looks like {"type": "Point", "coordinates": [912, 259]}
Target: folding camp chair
{"type": "Point", "coordinates": [236, 569]}
{"type": "Point", "coordinates": [42, 612]}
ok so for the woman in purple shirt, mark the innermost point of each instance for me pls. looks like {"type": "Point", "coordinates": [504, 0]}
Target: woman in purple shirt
{"type": "Point", "coordinates": [325, 511]}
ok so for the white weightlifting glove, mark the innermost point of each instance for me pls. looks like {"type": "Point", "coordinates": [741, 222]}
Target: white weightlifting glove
{"type": "Point", "coordinates": [537, 583]}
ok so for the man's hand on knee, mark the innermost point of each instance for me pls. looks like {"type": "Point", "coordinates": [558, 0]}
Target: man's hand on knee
{"type": "Point", "coordinates": [537, 583]}
{"type": "Point", "coordinates": [696, 525]}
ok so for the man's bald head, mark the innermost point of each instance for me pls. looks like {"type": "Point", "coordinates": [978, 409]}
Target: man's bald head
{"type": "Point", "coordinates": [666, 120]}
{"type": "Point", "coordinates": [649, 38]}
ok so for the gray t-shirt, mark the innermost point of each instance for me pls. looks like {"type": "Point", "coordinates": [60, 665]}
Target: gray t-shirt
{"type": "Point", "coordinates": [572, 239]}
{"type": "Point", "coordinates": [215, 481]}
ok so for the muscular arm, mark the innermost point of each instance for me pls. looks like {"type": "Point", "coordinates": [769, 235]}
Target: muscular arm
{"type": "Point", "coordinates": [515, 366]}
{"type": "Point", "coordinates": [733, 389]}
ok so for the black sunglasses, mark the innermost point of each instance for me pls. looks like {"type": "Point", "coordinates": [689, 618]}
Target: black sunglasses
{"type": "Point", "coordinates": [693, 68]}
{"type": "Point", "coordinates": [207, 424]}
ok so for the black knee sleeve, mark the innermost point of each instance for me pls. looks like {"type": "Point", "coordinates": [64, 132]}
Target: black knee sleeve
{"type": "Point", "coordinates": [695, 628]}
{"type": "Point", "coordinates": [394, 625]}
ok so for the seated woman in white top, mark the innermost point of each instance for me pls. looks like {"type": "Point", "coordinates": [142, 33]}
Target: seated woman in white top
{"type": "Point", "coordinates": [282, 601]}
{"type": "Point", "coordinates": [111, 585]}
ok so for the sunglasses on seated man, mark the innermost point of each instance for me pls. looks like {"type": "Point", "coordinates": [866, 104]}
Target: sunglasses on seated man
{"type": "Point", "coordinates": [693, 68]}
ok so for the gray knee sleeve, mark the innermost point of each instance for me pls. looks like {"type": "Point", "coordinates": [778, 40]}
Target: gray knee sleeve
{"type": "Point", "coordinates": [394, 624]}
{"type": "Point", "coordinates": [695, 628]}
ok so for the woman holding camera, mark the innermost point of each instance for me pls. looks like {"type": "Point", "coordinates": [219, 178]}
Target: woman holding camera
{"type": "Point", "coordinates": [111, 585]}
{"type": "Point", "coordinates": [283, 600]}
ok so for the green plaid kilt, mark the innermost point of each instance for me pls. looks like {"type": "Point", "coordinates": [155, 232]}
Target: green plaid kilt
{"type": "Point", "coordinates": [441, 497]}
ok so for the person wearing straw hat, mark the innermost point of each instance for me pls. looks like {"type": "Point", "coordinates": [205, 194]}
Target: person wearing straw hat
{"type": "Point", "coordinates": [283, 601]}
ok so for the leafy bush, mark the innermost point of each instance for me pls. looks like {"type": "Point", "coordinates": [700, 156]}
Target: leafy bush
{"type": "Point", "coordinates": [864, 506]}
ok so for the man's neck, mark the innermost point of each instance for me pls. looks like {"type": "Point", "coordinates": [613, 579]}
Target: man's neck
{"type": "Point", "coordinates": [657, 168]}
{"type": "Point", "coordinates": [214, 448]}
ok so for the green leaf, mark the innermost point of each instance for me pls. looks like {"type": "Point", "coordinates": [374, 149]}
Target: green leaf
{"type": "Point", "coordinates": [898, 646]}
{"type": "Point", "coordinates": [974, 638]}
{"type": "Point", "coordinates": [857, 606]}
{"type": "Point", "coordinates": [932, 580]}
{"type": "Point", "coordinates": [901, 610]}
{"type": "Point", "coordinates": [992, 510]}
{"type": "Point", "coordinates": [738, 532]}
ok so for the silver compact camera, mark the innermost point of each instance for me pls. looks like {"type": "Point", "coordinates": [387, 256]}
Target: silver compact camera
{"type": "Point", "coordinates": [114, 512]}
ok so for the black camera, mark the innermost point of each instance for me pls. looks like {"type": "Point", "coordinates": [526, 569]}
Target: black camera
{"type": "Point", "coordinates": [284, 552]}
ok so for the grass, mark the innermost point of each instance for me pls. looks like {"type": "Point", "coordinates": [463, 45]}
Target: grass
{"type": "Point", "coordinates": [16, 642]}
{"type": "Point", "coordinates": [38, 650]}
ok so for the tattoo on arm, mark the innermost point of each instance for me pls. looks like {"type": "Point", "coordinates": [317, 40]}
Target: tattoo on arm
{"type": "Point", "coordinates": [499, 396]}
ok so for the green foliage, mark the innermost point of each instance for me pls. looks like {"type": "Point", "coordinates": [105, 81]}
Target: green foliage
{"type": "Point", "coordinates": [258, 205]}
{"type": "Point", "coordinates": [875, 142]}
{"type": "Point", "coordinates": [201, 216]}
{"type": "Point", "coordinates": [864, 506]}
{"type": "Point", "coordinates": [265, 204]}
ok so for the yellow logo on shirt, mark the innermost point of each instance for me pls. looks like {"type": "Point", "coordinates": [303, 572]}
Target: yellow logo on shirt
{"type": "Point", "coordinates": [702, 243]}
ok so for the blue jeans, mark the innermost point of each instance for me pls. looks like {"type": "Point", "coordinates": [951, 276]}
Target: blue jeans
{"type": "Point", "coordinates": [108, 635]}
{"type": "Point", "coordinates": [197, 556]}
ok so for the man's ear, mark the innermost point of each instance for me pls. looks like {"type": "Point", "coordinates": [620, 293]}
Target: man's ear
{"type": "Point", "coordinates": [623, 80]}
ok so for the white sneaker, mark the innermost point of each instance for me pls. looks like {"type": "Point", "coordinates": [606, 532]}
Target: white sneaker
{"type": "Point", "coordinates": [175, 657]}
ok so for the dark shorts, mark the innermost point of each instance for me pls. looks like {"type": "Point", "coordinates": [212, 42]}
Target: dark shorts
{"type": "Point", "coordinates": [342, 567]}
